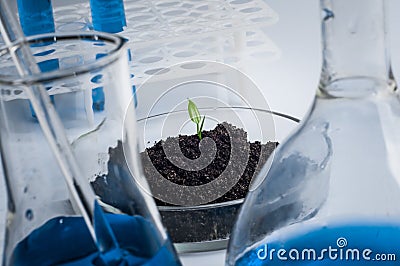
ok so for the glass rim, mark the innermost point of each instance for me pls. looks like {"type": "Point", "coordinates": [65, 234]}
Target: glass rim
{"type": "Point", "coordinates": [275, 113]}
{"type": "Point", "coordinates": [29, 80]}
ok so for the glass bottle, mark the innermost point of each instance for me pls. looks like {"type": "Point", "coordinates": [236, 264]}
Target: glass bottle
{"type": "Point", "coordinates": [332, 194]}
{"type": "Point", "coordinates": [44, 224]}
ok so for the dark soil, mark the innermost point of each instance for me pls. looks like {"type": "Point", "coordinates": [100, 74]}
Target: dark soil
{"type": "Point", "coordinates": [195, 225]}
{"type": "Point", "coordinates": [189, 146]}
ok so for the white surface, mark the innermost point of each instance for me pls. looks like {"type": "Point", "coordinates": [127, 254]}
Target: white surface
{"type": "Point", "coordinates": [204, 258]}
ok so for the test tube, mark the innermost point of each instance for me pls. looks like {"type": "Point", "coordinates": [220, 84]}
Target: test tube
{"type": "Point", "coordinates": [108, 16]}
{"type": "Point", "coordinates": [36, 17]}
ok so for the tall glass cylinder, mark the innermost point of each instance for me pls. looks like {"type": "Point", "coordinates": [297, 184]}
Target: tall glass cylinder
{"type": "Point", "coordinates": [331, 196]}
{"type": "Point", "coordinates": [44, 227]}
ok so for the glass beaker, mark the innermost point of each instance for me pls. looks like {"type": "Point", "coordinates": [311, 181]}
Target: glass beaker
{"type": "Point", "coordinates": [43, 227]}
{"type": "Point", "coordinates": [331, 196]}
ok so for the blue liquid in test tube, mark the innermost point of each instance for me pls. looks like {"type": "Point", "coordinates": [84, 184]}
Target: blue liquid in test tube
{"type": "Point", "coordinates": [107, 16]}
{"type": "Point", "coordinates": [98, 93]}
{"type": "Point", "coordinates": [36, 17]}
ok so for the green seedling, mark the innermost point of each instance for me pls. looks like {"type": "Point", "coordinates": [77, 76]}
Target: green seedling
{"type": "Point", "coordinates": [195, 116]}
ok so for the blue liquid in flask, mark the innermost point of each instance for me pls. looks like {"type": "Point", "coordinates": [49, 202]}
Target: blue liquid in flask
{"type": "Point", "coordinates": [351, 244]}
{"type": "Point", "coordinates": [66, 241]}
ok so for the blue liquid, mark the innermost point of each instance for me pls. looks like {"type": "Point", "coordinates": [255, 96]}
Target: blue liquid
{"type": "Point", "coordinates": [108, 15]}
{"type": "Point", "coordinates": [36, 16]}
{"type": "Point", "coordinates": [98, 99]}
{"type": "Point", "coordinates": [66, 241]}
{"type": "Point", "coordinates": [98, 96]}
{"type": "Point", "coordinates": [358, 244]}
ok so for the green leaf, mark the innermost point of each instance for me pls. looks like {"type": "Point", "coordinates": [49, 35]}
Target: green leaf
{"type": "Point", "coordinates": [194, 113]}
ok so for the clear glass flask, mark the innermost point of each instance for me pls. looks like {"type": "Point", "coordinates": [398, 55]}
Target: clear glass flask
{"type": "Point", "coordinates": [332, 194]}
{"type": "Point", "coordinates": [44, 225]}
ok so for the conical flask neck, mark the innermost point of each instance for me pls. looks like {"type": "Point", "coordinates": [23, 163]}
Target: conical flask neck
{"type": "Point", "coordinates": [355, 48]}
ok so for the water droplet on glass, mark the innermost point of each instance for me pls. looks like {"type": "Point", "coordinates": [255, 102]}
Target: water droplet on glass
{"type": "Point", "coordinates": [29, 214]}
